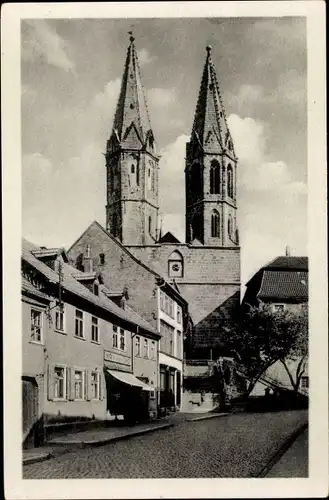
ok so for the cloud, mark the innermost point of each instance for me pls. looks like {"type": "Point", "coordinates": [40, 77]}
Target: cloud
{"type": "Point", "coordinates": [159, 97]}
{"type": "Point", "coordinates": [42, 42]}
{"type": "Point", "coordinates": [145, 58]}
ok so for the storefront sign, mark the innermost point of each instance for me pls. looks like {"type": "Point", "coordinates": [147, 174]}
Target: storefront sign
{"type": "Point", "coordinates": [117, 358]}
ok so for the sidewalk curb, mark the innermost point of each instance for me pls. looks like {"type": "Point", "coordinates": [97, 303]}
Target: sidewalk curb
{"type": "Point", "coordinates": [206, 417]}
{"type": "Point", "coordinates": [33, 460]}
{"type": "Point", "coordinates": [282, 450]}
{"type": "Point", "coordinates": [100, 442]}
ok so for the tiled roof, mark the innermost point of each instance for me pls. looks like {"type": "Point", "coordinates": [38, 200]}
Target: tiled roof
{"type": "Point", "coordinates": [284, 285]}
{"type": "Point", "coordinates": [294, 263]}
{"type": "Point", "coordinates": [49, 252]}
{"type": "Point", "coordinates": [30, 289]}
{"type": "Point", "coordinates": [70, 284]}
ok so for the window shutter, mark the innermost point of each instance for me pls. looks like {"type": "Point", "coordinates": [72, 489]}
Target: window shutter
{"type": "Point", "coordinates": [87, 385]}
{"type": "Point", "coordinates": [70, 384]}
{"type": "Point", "coordinates": [51, 382]}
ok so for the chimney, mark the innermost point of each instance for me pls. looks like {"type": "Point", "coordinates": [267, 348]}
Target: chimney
{"type": "Point", "coordinates": [87, 261]}
{"type": "Point", "coordinates": [287, 251]}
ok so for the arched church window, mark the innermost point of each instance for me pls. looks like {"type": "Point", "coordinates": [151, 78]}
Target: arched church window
{"type": "Point", "coordinates": [215, 224]}
{"type": "Point", "coordinates": [176, 265]}
{"type": "Point", "coordinates": [214, 177]}
{"type": "Point", "coordinates": [230, 181]}
{"type": "Point", "coordinates": [137, 174]}
{"type": "Point", "coordinates": [150, 224]}
{"type": "Point", "coordinates": [149, 179]}
{"type": "Point", "coordinates": [230, 226]}
{"type": "Point", "coordinates": [114, 225]}
{"type": "Point", "coordinates": [132, 169]}
{"type": "Point", "coordinates": [196, 227]}
{"type": "Point", "coordinates": [196, 180]}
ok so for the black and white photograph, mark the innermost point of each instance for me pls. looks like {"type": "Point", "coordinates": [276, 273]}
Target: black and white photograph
{"type": "Point", "coordinates": [167, 247]}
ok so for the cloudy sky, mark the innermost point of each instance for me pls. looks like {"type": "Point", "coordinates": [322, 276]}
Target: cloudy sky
{"type": "Point", "coordinates": [70, 75]}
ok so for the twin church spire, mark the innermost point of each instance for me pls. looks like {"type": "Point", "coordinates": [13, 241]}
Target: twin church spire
{"type": "Point", "coordinates": [132, 210]}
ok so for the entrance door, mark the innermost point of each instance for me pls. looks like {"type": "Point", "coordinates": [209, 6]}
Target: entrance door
{"type": "Point", "coordinates": [30, 404]}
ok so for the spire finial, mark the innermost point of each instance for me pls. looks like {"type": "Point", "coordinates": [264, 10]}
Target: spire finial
{"type": "Point", "coordinates": [208, 49]}
{"type": "Point", "coordinates": [131, 38]}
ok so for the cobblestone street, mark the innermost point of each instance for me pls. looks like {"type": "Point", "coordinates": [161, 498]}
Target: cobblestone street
{"type": "Point", "coordinates": [231, 446]}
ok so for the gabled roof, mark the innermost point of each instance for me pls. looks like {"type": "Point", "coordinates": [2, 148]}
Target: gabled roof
{"type": "Point", "coordinates": [288, 263]}
{"type": "Point", "coordinates": [168, 238]}
{"type": "Point", "coordinates": [284, 285]}
{"type": "Point", "coordinates": [156, 273]}
{"type": "Point", "coordinates": [131, 111]}
{"type": "Point", "coordinates": [210, 128]}
{"type": "Point", "coordinates": [70, 284]}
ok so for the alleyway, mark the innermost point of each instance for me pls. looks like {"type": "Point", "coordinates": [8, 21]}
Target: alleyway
{"type": "Point", "coordinates": [232, 446]}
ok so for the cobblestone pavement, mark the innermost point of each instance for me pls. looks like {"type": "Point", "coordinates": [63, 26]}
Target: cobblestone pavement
{"type": "Point", "coordinates": [294, 462]}
{"type": "Point", "coordinates": [233, 446]}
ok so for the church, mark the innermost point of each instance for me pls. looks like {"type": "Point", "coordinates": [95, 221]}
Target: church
{"type": "Point", "coordinates": [205, 268]}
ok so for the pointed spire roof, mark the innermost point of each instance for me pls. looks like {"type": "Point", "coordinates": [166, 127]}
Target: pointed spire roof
{"type": "Point", "coordinates": [131, 120]}
{"type": "Point", "coordinates": [210, 127]}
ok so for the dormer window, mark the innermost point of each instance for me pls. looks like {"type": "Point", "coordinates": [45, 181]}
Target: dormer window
{"type": "Point", "coordinates": [96, 289]}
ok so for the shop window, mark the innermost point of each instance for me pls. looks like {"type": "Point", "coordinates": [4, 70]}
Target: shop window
{"type": "Point", "coordinates": [36, 326]}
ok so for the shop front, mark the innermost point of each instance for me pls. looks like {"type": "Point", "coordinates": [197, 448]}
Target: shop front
{"type": "Point", "coordinates": [170, 388]}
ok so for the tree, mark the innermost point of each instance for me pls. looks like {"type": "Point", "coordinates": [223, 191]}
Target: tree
{"type": "Point", "coordinates": [295, 360]}
{"type": "Point", "coordinates": [261, 337]}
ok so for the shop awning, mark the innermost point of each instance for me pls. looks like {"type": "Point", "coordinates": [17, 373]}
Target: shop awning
{"type": "Point", "coordinates": [129, 379]}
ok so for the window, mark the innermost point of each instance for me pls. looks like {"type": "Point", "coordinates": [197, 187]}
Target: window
{"type": "Point", "coordinates": [88, 252]}
{"type": "Point", "coordinates": [36, 325]}
{"type": "Point", "coordinates": [102, 259]}
{"type": "Point", "coordinates": [179, 344]}
{"type": "Point", "coordinates": [60, 382]}
{"type": "Point", "coordinates": [138, 346]}
{"type": "Point", "coordinates": [94, 329]}
{"type": "Point", "coordinates": [146, 349]}
{"type": "Point", "coordinates": [132, 169]}
{"type": "Point", "coordinates": [122, 339]}
{"type": "Point", "coordinates": [78, 384]}
{"type": "Point", "coordinates": [215, 227]}
{"type": "Point", "coordinates": [162, 301]}
{"type": "Point", "coordinates": [305, 382]}
{"type": "Point", "coordinates": [150, 224]}
{"type": "Point", "coordinates": [230, 181]}
{"type": "Point", "coordinates": [59, 318]}
{"type": "Point", "coordinates": [115, 337]}
{"type": "Point", "coordinates": [78, 323]}
{"type": "Point", "coordinates": [196, 227]}
{"type": "Point", "coordinates": [279, 307]}
{"type": "Point", "coordinates": [196, 181]}
{"type": "Point", "coordinates": [152, 355]}
{"type": "Point", "coordinates": [149, 179]}
{"type": "Point", "coordinates": [95, 385]}
{"type": "Point", "coordinates": [137, 175]}
{"type": "Point", "coordinates": [96, 288]}
{"type": "Point", "coordinates": [230, 226]}
{"type": "Point", "coordinates": [179, 314]}
{"type": "Point", "coordinates": [167, 338]}
{"type": "Point", "coordinates": [214, 177]}
{"type": "Point", "coordinates": [171, 308]}
{"type": "Point", "coordinates": [114, 225]}
{"type": "Point", "coordinates": [175, 265]}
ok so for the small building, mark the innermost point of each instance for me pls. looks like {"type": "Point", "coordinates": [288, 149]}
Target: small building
{"type": "Point", "coordinates": [78, 344]}
{"type": "Point", "coordinates": [141, 288]}
{"type": "Point", "coordinates": [283, 283]}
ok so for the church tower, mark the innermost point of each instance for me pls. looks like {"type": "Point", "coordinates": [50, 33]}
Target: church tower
{"type": "Point", "coordinates": [210, 171]}
{"type": "Point", "coordinates": [132, 164]}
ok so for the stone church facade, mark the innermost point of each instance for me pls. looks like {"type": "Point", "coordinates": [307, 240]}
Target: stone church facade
{"type": "Point", "coordinates": [206, 267]}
